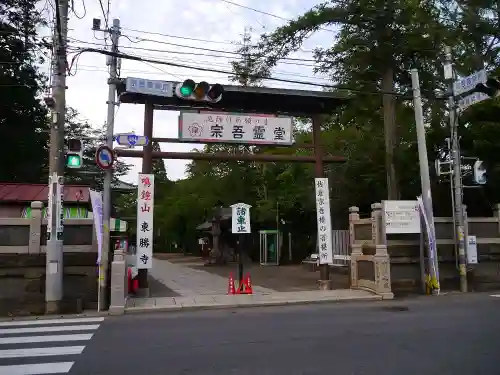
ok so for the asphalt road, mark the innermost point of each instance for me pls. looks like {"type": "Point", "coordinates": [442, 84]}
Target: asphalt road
{"type": "Point", "coordinates": [424, 336]}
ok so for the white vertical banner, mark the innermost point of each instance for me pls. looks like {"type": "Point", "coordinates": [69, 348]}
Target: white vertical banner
{"type": "Point", "coordinates": [240, 218]}
{"type": "Point", "coordinates": [145, 207]}
{"type": "Point", "coordinates": [432, 250]}
{"type": "Point", "coordinates": [325, 248]}
{"type": "Point", "coordinates": [50, 204]}
{"type": "Point", "coordinates": [60, 208]}
{"type": "Point", "coordinates": [96, 201]}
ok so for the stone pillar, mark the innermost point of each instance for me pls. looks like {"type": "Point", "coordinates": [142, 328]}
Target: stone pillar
{"type": "Point", "coordinates": [353, 217]}
{"type": "Point", "coordinates": [357, 251]}
{"type": "Point", "coordinates": [378, 232]}
{"type": "Point", "coordinates": [118, 283]}
{"type": "Point", "coordinates": [496, 214]}
{"type": "Point", "coordinates": [35, 227]}
{"type": "Point", "coordinates": [382, 265]}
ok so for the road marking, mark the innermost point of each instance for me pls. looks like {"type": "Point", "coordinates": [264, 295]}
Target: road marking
{"type": "Point", "coordinates": [37, 369]}
{"type": "Point", "coordinates": [48, 338]}
{"type": "Point", "coordinates": [48, 329]}
{"type": "Point", "coordinates": [495, 295]}
{"type": "Point", "coordinates": [50, 321]}
{"type": "Point", "coordinates": [41, 352]}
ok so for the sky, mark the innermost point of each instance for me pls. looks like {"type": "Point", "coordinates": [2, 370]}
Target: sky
{"type": "Point", "coordinates": [169, 27]}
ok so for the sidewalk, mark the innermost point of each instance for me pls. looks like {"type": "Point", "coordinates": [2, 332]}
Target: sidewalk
{"type": "Point", "coordinates": [187, 281]}
{"type": "Point", "coordinates": [204, 302]}
{"type": "Point", "coordinates": [192, 288]}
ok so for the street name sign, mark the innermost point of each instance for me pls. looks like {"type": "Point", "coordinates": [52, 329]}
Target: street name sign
{"type": "Point", "coordinates": [149, 87]}
{"type": "Point", "coordinates": [131, 140]}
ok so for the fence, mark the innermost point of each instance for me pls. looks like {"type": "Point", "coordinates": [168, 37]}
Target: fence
{"type": "Point", "coordinates": [22, 262]}
{"type": "Point", "coordinates": [404, 250]}
{"type": "Point", "coordinates": [341, 248]}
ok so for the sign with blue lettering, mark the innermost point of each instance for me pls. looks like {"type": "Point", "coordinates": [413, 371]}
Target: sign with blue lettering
{"type": "Point", "coordinates": [131, 140]}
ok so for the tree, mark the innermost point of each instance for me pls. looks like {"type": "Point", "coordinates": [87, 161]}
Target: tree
{"type": "Point", "coordinates": [376, 45]}
{"type": "Point", "coordinates": [90, 174]}
{"type": "Point", "coordinates": [23, 117]}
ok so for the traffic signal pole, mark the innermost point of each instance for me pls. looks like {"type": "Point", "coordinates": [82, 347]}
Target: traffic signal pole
{"type": "Point", "coordinates": [57, 104]}
{"type": "Point", "coordinates": [108, 176]}
{"type": "Point", "coordinates": [457, 178]}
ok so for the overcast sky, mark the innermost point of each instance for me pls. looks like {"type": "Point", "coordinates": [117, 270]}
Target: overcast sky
{"type": "Point", "coordinates": [164, 26]}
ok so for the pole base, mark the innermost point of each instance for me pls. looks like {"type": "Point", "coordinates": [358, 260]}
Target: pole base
{"type": "Point", "coordinates": [53, 307]}
{"type": "Point", "coordinates": [142, 292]}
{"type": "Point", "coordinates": [325, 284]}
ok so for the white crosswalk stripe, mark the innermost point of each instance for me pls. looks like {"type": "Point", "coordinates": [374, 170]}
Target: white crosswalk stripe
{"type": "Point", "coordinates": [49, 351]}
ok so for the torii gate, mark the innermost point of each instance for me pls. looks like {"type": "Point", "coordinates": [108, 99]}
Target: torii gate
{"type": "Point", "coordinates": [313, 104]}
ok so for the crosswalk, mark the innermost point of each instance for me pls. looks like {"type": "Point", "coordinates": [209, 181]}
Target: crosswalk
{"type": "Point", "coordinates": [38, 347]}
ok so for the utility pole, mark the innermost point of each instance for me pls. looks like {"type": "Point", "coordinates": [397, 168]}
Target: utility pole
{"type": "Point", "coordinates": [112, 61]}
{"type": "Point", "coordinates": [457, 173]}
{"type": "Point", "coordinates": [425, 181]}
{"type": "Point", "coordinates": [55, 216]}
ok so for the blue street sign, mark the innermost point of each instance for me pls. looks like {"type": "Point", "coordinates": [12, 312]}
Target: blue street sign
{"type": "Point", "coordinates": [104, 157]}
{"type": "Point", "coordinates": [131, 140]}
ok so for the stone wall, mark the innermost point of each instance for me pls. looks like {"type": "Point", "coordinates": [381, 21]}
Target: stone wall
{"type": "Point", "coordinates": [404, 250]}
{"type": "Point", "coordinates": [22, 264]}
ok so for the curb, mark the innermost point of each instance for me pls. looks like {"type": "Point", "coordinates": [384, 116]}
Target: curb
{"type": "Point", "coordinates": [89, 314]}
{"type": "Point", "coordinates": [178, 308]}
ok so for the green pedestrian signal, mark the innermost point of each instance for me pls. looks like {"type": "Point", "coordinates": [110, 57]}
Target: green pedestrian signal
{"type": "Point", "coordinates": [73, 161]}
{"type": "Point", "coordinates": [74, 155]}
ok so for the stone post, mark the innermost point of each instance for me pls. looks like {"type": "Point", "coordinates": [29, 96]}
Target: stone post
{"type": "Point", "coordinates": [382, 265]}
{"type": "Point", "coordinates": [378, 232]}
{"type": "Point", "coordinates": [353, 217]}
{"type": "Point", "coordinates": [35, 227]}
{"type": "Point", "coordinates": [118, 282]}
{"type": "Point", "coordinates": [496, 214]}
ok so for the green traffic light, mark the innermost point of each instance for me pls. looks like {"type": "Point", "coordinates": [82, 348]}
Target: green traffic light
{"type": "Point", "coordinates": [73, 161]}
{"type": "Point", "coordinates": [186, 91]}
{"type": "Point", "coordinates": [187, 88]}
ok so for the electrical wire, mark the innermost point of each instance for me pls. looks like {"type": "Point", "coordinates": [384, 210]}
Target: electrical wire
{"type": "Point", "coordinates": [285, 60]}
{"type": "Point", "coordinates": [76, 14]}
{"type": "Point", "coordinates": [104, 13]}
{"type": "Point", "coordinates": [185, 53]}
{"type": "Point", "coordinates": [176, 36]}
{"type": "Point", "coordinates": [268, 14]}
{"type": "Point", "coordinates": [137, 58]}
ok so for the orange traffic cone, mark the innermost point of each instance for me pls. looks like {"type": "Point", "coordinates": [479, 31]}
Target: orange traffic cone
{"type": "Point", "coordinates": [249, 285]}
{"type": "Point", "coordinates": [230, 288]}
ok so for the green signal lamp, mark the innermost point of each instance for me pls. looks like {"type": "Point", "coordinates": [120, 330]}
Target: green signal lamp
{"type": "Point", "coordinates": [187, 88]}
{"type": "Point", "coordinates": [73, 161]}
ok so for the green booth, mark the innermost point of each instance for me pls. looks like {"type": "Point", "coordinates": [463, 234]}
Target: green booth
{"type": "Point", "coordinates": [270, 246]}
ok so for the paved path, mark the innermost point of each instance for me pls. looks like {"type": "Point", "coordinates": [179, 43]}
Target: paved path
{"type": "Point", "coordinates": [49, 346]}
{"type": "Point", "coordinates": [187, 281]}
{"type": "Point", "coordinates": [444, 335]}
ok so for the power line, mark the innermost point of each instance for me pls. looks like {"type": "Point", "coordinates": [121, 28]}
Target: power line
{"type": "Point", "coordinates": [233, 53]}
{"type": "Point", "coordinates": [268, 14]}
{"type": "Point", "coordinates": [137, 58]}
{"type": "Point", "coordinates": [283, 61]}
{"type": "Point", "coordinates": [76, 14]}
{"type": "Point", "coordinates": [177, 36]}
{"type": "Point", "coordinates": [214, 50]}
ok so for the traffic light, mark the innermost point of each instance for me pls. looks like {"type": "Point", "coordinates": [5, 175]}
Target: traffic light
{"type": "Point", "coordinates": [201, 92]}
{"type": "Point", "coordinates": [490, 88]}
{"type": "Point", "coordinates": [74, 155]}
{"type": "Point", "coordinates": [479, 172]}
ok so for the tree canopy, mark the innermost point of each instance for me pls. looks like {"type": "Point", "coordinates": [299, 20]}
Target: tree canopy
{"type": "Point", "coordinates": [374, 44]}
